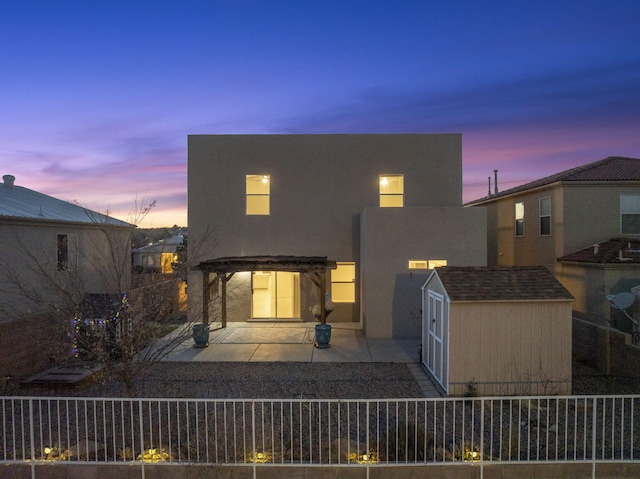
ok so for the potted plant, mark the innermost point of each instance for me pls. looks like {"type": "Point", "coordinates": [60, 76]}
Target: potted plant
{"type": "Point", "coordinates": [323, 330]}
{"type": "Point", "coordinates": [201, 335]}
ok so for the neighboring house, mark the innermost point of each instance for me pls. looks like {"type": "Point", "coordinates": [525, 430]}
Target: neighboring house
{"type": "Point", "coordinates": [556, 216]}
{"type": "Point", "coordinates": [54, 257]}
{"type": "Point", "coordinates": [53, 251]}
{"type": "Point", "coordinates": [158, 257]}
{"type": "Point", "coordinates": [497, 331]}
{"type": "Point", "coordinates": [599, 273]}
{"type": "Point", "coordinates": [368, 215]}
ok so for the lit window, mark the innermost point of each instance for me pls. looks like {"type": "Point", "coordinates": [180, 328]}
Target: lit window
{"type": "Point", "coordinates": [436, 263]}
{"type": "Point", "coordinates": [418, 264]}
{"type": "Point", "coordinates": [67, 246]}
{"type": "Point", "coordinates": [545, 216]}
{"type": "Point", "coordinates": [391, 191]}
{"type": "Point", "coordinates": [343, 283]}
{"type": "Point", "coordinates": [630, 214]}
{"type": "Point", "coordinates": [258, 190]}
{"type": "Point", "coordinates": [519, 219]}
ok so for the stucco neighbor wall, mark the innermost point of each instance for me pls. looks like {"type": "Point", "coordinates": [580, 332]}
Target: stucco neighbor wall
{"type": "Point", "coordinates": [28, 264]}
{"type": "Point", "coordinates": [590, 284]}
{"type": "Point", "coordinates": [391, 293]}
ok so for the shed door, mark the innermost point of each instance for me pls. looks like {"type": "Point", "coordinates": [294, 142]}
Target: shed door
{"type": "Point", "coordinates": [435, 335]}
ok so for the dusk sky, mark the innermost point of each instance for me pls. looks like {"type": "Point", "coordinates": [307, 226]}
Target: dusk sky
{"type": "Point", "coordinates": [97, 97]}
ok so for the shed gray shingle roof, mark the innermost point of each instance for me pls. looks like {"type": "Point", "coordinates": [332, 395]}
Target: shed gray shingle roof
{"type": "Point", "coordinates": [19, 202]}
{"type": "Point", "coordinates": [613, 168]}
{"type": "Point", "coordinates": [518, 283]}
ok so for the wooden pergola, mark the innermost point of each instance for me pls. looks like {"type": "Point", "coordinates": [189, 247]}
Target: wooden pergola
{"type": "Point", "coordinates": [314, 267]}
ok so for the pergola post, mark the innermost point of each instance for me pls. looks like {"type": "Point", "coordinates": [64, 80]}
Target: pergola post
{"type": "Point", "coordinates": [223, 300]}
{"type": "Point", "coordinates": [205, 298]}
{"type": "Point", "coordinates": [323, 291]}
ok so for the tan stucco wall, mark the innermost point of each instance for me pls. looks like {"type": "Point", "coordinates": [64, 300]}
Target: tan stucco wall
{"type": "Point", "coordinates": [583, 214]}
{"type": "Point", "coordinates": [590, 284]}
{"type": "Point", "coordinates": [28, 258]}
{"type": "Point", "coordinates": [319, 186]}
{"type": "Point", "coordinates": [501, 347]}
{"type": "Point", "coordinates": [391, 293]}
{"type": "Point", "coordinates": [505, 249]}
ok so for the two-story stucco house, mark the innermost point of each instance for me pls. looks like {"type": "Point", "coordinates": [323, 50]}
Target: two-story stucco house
{"type": "Point", "coordinates": [369, 214]}
{"type": "Point", "coordinates": [52, 255]}
{"type": "Point", "coordinates": [547, 221]}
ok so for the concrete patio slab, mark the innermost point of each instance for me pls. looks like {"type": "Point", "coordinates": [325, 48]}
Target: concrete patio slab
{"type": "Point", "coordinates": [283, 353]}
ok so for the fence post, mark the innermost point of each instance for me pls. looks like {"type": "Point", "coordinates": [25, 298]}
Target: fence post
{"type": "Point", "coordinates": [253, 438]}
{"type": "Point", "coordinates": [32, 441]}
{"type": "Point", "coordinates": [482, 401]}
{"type": "Point", "coordinates": [593, 437]}
{"type": "Point", "coordinates": [140, 415]}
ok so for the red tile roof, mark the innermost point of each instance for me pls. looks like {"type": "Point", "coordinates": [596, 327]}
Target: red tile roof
{"type": "Point", "coordinates": [518, 283]}
{"type": "Point", "coordinates": [614, 168]}
{"type": "Point", "coordinates": [613, 251]}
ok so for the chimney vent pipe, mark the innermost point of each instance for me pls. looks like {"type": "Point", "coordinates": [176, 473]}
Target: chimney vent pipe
{"type": "Point", "coordinates": [8, 180]}
{"type": "Point", "coordinates": [495, 181]}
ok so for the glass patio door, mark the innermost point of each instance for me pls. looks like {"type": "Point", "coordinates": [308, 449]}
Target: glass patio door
{"type": "Point", "coordinates": [275, 294]}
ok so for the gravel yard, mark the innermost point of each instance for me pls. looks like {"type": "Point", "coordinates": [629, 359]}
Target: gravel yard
{"type": "Point", "coordinates": [283, 380]}
{"type": "Point", "coordinates": [286, 380]}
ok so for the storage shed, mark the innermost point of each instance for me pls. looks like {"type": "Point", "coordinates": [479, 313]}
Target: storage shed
{"type": "Point", "coordinates": [497, 331]}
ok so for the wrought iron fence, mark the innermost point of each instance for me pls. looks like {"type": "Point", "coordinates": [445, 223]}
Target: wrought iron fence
{"type": "Point", "coordinates": [321, 432]}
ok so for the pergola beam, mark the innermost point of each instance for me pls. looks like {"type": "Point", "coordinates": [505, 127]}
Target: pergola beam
{"type": "Point", "coordinates": [315, 267]}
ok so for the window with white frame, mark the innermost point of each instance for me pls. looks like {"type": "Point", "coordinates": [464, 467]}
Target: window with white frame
{"type": "Point", "coordinates": [258, 193]}
{"type": "Point", "coordinates": [519, 218]}
{"type": "Point", "coordinates": [343, 282]}
{"type": "Point", "coordinates": [630, 214]}
{"type": "Point", "coordinates": [545, 216]}
{"type": "Point", "coordinates": [391, 191]}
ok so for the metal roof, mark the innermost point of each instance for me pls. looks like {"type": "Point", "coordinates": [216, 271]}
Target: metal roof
{"type": "Point", "coordinates": [22, 203]}
{"type": "Point", "coordinates": [168, 245]}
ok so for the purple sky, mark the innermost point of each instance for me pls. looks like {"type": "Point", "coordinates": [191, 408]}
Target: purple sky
{"type": "Point", "coordinates": [97, 98]}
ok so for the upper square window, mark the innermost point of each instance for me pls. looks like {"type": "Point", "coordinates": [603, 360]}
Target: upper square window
{"type": "Point", "coordinates": [545, 216]}
{"type": "Point", "coordinates": [391, 191]}
{"type": "Point", "coordinates": [519, 219]}
{"type": "Point", "coordinates": [258, 192]}
{"type": "Point", "coordinates": [630, 214]}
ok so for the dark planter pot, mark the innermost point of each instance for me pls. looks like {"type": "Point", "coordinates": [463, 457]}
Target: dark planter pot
{"type": "Point", "coordinates": [323, 335]}
{"type": "Point", "coordinates": [200, 335]}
